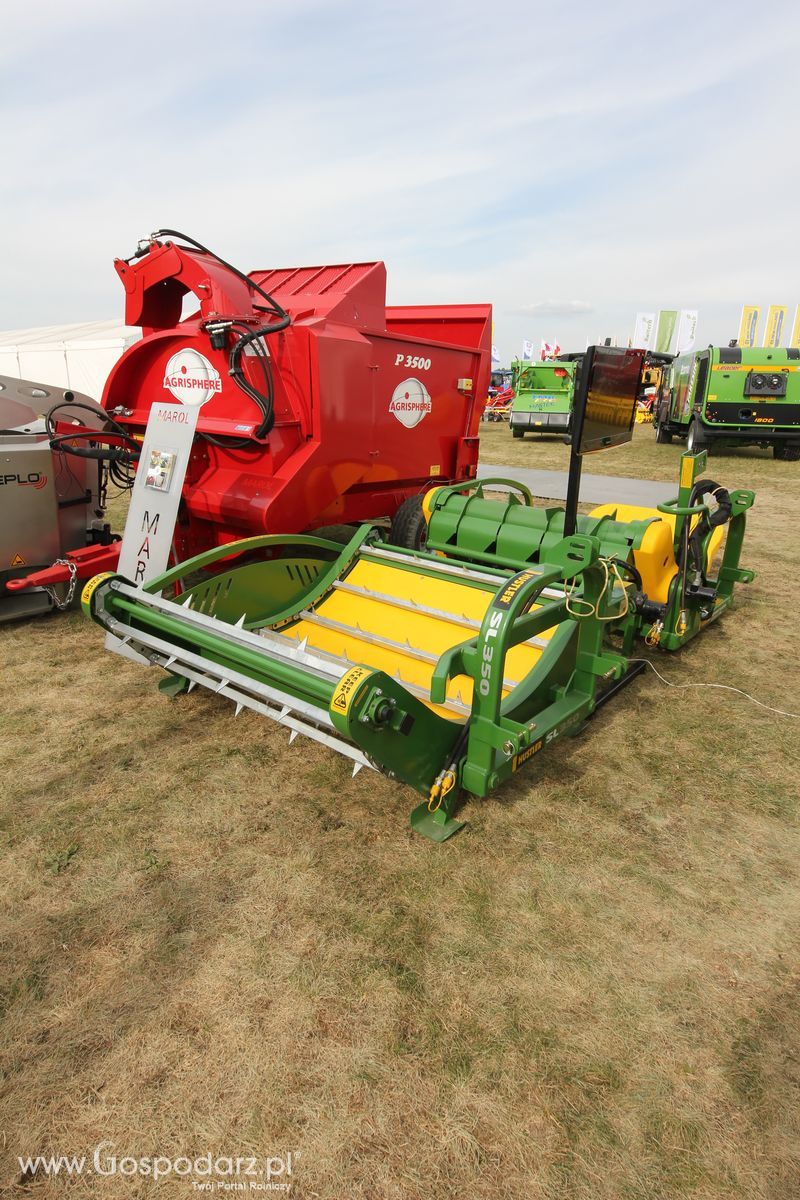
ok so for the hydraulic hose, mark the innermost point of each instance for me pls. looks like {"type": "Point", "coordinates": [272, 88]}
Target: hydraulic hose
{"type": "Point", "coordinates": [250, 337]}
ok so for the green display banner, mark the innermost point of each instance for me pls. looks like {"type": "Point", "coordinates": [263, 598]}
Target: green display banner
{"type": "Point", "coordinates": [666, 327]}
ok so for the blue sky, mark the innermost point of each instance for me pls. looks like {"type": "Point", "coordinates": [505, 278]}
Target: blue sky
{"type": "Point", "coordinates": [569, 162]}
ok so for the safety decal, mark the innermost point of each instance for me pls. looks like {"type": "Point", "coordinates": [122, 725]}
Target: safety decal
{"type": "Point", "coordinates": [18, 561]}
{"type": "Point", "coordinates": [346, 687]}
{"type": "Point", "coordinates": [91, 587]}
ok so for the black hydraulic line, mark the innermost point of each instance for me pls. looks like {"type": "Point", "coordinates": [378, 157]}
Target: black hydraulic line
{"type": "Point", "coordinates": [280, 312]}
{"type": "Point", "coordinates": [633, 670]}
{"type": "Point", "coordinates": [264, 401]}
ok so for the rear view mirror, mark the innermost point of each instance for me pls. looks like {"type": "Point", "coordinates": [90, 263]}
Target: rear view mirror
{"type": "Point", "coordinates": [605, 400]}
{"type": "Point", "coordinates": [603, 412]}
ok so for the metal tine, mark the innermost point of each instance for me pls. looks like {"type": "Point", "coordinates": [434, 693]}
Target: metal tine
{"type": "Point", "coordinates": [240, 623]}
{"type": "Point", "coordinates": [172, 658]}
{"type": "Point", "coordinates": [239, 708]}
{"type": "Point", "coordinates": [192, 686]}
{"type": "Point", "coordinates": [292, 736]}
{"type": "Point", "coordinates": [356, 768]}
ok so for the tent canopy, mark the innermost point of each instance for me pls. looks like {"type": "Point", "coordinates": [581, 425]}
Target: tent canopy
{"type": "Point", "coordinates": [77, 356]}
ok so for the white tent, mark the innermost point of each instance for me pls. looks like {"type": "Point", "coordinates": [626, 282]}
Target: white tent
{"type": "Point", "coordinates": [67, 356]}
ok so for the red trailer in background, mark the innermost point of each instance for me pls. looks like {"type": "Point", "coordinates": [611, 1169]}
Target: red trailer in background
{"type": "Point", "coordinates": [321, 405]}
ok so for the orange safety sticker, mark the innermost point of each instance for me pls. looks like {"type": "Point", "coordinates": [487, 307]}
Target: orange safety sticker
{"type": "Point", "coordinates": [18, 561]}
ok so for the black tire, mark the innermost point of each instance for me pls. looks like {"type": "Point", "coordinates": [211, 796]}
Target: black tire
{"type": "Point", "coordinates": [517, 433]}
{"type": "Point", "coordinates": [409, 527]}
{"type": "Point", "coordinates": [696, 438]}
{"type": "Point", "coordinates": [786, 453]}
{"type": "Point", "coordinates": [663, 436]}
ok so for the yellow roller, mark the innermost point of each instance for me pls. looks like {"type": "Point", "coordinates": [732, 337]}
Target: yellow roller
{"type": "Point", "coordinates": [406, 639]}
{"type": "Point", "coordinates": [655, 558]}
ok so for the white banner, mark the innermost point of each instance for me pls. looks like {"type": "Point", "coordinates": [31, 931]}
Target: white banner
{"type": "Point", "coordinates": [527, 351]}
{"type": "Point", "coordinates": [495, 354]}
{"type": "Point", "coordinates": [164, 457]}
{"type": "Point", "coordinates": [644, 330]}
{"type": "Point", "coordinates": [687, 330]}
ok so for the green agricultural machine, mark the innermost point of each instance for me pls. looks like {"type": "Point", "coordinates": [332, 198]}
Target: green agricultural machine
{"type": "Point", "coordinates": [733, 396]}
{"type": "Point", "coordinates": [543, 394]}
{"type": "Point", "coordinates": [449, 668]}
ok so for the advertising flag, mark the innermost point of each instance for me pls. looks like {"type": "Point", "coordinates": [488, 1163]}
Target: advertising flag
{"type": "Point", "coordinates": [687, 330]}
{"type": "Point", "coordinates": [794, 340]}
{"type": "Point", "coordinates": [748, 325]}
{"type": "Point", "coordinates": [666, 327]}
{"type": "Point", "coordinates": [495, 354]}
{"type": "Point", "coordinates": [527, 351]}
{"type": "Point", "coordinates": [643, 330]}
{"type": "Point", "coordinates": [777, 320]}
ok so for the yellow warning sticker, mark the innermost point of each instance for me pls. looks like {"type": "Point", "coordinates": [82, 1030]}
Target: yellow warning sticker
{"type": "Point", "coordinates": [91, 587]}
{"type": "Point", "coordinates": [435, 469]}
{"type": "Point", "coordinates": [18, 561]}
{"type": "Point", "coordinates": [346, 689]}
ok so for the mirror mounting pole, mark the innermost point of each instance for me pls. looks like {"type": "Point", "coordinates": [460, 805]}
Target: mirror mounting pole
{"type": "Point", "coordinates": [583, 375]}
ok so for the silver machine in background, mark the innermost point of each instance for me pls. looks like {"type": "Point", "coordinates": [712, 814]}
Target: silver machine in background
{"type": "Point", "coordinates": [50, 502]}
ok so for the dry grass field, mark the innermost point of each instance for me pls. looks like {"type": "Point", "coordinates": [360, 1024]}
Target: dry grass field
{"type": "Point", "coordinates": [216, 942]}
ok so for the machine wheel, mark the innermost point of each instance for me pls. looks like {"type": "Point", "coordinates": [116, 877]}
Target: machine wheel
{"type": "Point", "coordinates": [409, 527]}
{"type": "Point", "coordinates": [787, 453]}
{"type": "Point", "coordinates": [696, 439]}
{"type": "Point", "coordinates": [663, 436]}
{"type": "Point", "coordinates": [518, 433]}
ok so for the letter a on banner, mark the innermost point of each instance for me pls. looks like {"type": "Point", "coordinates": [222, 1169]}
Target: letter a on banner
{"type": "Point", "coordinates": [156, 494]}
{"type": "Point", "coordinates": [794, 340]}
{"type": "Point", "coordinates": [643, 330]}
{"type": "Point", "coordinates": [687, 331]}
{"type": "Point", "coordinates": [748, 325]}
{"type": "Point", "coordinates": [666, 327]}
{"type": "Point", "coordinates": [777, 320]}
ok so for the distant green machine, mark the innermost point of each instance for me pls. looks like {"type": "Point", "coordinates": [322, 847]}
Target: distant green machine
{"type": "Point", "coordinates": [448, 668]}
{"type": "Point", "coordinates": [543, 393]}
{"type": "Point", "coordinates": [733, 396]}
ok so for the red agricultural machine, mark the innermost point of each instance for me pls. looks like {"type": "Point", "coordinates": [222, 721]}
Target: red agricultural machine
{"type": "Point", "coordinates": [322, 406]}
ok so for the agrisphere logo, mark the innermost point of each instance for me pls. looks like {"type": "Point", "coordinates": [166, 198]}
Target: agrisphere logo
{"type": "Point", "coordinates": [410, 402]}
{"type": "Point", "coordinates": [191, 378]}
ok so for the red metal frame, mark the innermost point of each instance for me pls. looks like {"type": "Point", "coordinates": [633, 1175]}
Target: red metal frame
{"type": "Point", "coordinates": [336, 452]}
